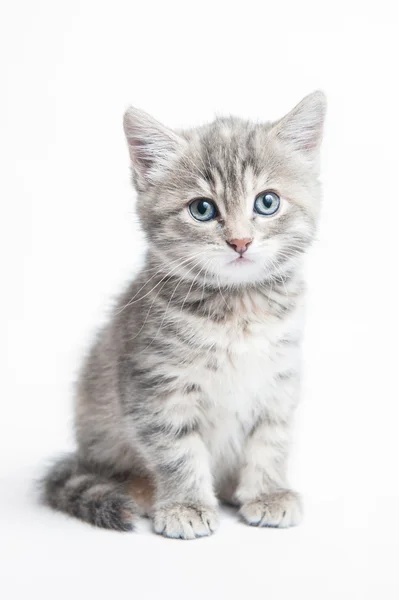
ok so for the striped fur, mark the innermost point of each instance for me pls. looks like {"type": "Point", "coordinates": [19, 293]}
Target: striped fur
{"type": "Point", "coordinates": [193, 383]}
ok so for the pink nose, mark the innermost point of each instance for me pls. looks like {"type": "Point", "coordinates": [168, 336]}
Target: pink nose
{"type": "Point", "coordinates": [240, 246]}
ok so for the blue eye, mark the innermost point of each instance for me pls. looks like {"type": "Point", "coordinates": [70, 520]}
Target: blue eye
{"type": "Point", "coordinates": [203, 209]}
{"type": "Point", "coordinates": [267, 203]}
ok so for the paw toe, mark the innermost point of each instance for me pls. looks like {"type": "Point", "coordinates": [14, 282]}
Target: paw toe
{"type": "Point", "coordinates": [278, 509]}
{"type": "Point", "coordinates": [185, 521]}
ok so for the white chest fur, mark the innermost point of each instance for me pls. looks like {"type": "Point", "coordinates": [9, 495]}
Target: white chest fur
{"type": "Point", "coordinates": [244, 382]}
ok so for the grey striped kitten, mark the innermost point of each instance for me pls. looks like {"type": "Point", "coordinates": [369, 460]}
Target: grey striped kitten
{"type": "Point", "coordinates": [188, 394]}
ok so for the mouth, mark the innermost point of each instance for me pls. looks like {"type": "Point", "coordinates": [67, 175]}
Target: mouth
{"type": "Point", "coordinates": [241, 260]}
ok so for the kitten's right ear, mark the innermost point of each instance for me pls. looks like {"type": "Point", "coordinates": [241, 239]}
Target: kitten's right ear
{"type": "Point", "coordinates": [152, 146]}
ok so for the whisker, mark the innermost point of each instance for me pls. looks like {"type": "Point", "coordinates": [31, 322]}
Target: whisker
{"type": "Point", "coordinates": [181, 263]}
{"type": "Point", "coordinates": [167, 307]}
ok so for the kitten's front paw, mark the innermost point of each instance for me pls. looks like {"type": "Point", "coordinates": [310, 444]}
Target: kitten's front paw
{"type": "Point", "coordinates": [185, 521]}
{"type": "Point", "coordinates": [278, 509]}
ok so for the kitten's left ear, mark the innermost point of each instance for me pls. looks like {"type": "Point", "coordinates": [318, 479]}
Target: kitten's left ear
{"type": "Point", "coordinates": [152, 146]}
{"type": "Point", "coordinates": [302, 128]}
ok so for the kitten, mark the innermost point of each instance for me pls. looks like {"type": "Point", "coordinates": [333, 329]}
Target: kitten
{"type": "Point", "coordinates": [188, 394]}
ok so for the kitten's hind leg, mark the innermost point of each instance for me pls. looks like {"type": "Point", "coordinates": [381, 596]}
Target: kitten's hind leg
{"type": "Point", "coordinates": [142, 491]}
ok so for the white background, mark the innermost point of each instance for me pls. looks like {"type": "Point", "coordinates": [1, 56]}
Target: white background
{"type": "Point", "coordinates": [69, 241]}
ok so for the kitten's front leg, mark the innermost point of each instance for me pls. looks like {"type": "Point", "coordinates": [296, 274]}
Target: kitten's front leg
{"type": "Point", "coordinates": [263, 492]}
{"type": "Point", "coordinates": [185, 505]}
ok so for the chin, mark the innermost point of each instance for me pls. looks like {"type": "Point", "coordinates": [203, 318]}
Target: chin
{"type": "Point", "coordinates": [243, 271]}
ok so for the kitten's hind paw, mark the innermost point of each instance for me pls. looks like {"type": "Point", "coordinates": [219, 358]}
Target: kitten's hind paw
{"type": "Point", "coordinates": [278, 509]}
{"type": "Point", "coordinates": [185, 521]}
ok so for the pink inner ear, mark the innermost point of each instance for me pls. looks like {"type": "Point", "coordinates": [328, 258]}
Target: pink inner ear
{"type": "Point", "coordinates": [140, 152]}
{"type": "Point", "coordinates": [309, 144]}
{"type": "Point", "coordinates": [304, 138]}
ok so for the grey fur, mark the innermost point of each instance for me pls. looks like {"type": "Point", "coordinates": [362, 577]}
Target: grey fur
{"type": "Point", "coordinates": [192, 384]}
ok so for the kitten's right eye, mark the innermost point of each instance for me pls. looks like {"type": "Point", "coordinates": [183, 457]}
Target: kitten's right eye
{"type": "Point", "coordinates": [203, 209]}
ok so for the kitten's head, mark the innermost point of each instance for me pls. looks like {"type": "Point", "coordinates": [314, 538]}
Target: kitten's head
{"type": "Point", "coordinates": [232, 202]}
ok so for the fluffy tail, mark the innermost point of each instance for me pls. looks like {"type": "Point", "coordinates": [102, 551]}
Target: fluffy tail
{"type": "Point", "coordinates": [71, 487]}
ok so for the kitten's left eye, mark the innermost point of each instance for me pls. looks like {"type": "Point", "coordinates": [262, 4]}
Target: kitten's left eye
{"type": "Point", "coordinates": [267, 203]}
{"type": "Point", "coordinates": [203, 209]}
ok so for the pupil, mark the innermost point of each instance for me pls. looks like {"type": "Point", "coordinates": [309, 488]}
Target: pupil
{"type": "Point", "coordinates": [203, 207]}
{"type": "Point", "coordinates": [267, 201]}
